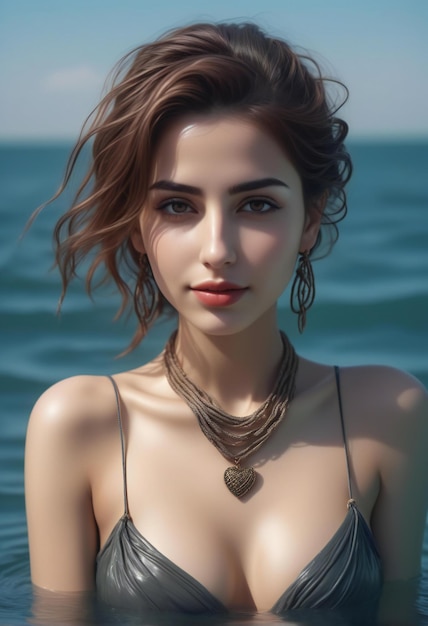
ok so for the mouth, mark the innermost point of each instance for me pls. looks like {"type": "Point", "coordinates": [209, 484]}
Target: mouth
{"type": "Point", "coordinates": [218, 294]}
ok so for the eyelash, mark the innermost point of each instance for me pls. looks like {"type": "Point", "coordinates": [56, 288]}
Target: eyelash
{"type": "Point", "coordinates": [272, 206]}
{"type": "Point", "coordinates": [165, 207]}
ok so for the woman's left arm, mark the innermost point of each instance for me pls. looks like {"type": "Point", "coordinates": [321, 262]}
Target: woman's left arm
{"type": "Point", "coordinates": [399, 517]}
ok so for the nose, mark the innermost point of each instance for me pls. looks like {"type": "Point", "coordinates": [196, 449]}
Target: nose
{"type": "Point", "coordinates": [217, 239]}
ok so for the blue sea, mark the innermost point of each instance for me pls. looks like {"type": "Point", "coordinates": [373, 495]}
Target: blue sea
{"type": "Point", "coordinates": [371, 307]}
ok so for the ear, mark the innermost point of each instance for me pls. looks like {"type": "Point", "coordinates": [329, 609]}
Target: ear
{"type": "Point", "coordinates": [312, 225]}
{"type": "Point", "coordinates": [137, 240]}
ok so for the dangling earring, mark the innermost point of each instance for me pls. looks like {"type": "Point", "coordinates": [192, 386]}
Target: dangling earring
{"type": "Point", "coordinates": [147, 298]}
{"type": "Point", "coordinates": [303, 289]}
{"type": "Point", "coordinates": [144, 288]}
{"type": "Point", "coordinates": [143, 264]}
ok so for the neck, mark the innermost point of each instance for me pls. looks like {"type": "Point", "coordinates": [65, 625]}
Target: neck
{"type": "Point", "coordinates": [238, 371]}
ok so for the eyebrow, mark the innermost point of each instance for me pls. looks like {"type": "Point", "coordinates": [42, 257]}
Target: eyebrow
{"type": "Point", "coordinates": [251, 185]}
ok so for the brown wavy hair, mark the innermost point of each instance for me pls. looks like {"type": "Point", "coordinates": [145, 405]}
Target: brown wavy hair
{"type": "Point", "coordinates": [201, 68]}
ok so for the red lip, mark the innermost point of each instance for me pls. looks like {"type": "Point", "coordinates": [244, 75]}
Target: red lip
{"type": "Point", "coordinates": [218, 294]}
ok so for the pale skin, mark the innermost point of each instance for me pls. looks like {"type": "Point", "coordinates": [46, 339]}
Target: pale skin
{"type": "Point", "coordinates": [245, 552]}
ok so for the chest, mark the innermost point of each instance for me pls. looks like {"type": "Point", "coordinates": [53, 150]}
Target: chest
{"type": "Point", "coordinates": [246, 552]}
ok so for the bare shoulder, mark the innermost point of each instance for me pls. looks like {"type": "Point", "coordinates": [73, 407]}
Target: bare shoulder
{"type": "Point", "coordinates": [388, 407]}
{"type": "Point", "coordinates": [87, 404]}
{"type": "Point", "coordinates": [381, 389]}
{"type": "Point", "coordinates": [389, 393]}
{"type": "Point", "coordinates": [75, 407]}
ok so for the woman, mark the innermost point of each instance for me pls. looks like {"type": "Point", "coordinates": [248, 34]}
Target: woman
{"type": "Point", "coordinates": [228, 473]}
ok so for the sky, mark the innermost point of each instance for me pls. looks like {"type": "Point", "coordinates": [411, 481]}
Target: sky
{"type": "Point", "coordinates": [56, 54]}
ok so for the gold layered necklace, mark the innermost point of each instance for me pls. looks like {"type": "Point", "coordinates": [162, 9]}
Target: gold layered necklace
{"type": "Point", "coordinates": [236, 437]}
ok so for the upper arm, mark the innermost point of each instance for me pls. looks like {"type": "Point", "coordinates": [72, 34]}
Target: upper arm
{"type": "Point", "coordinates": [61, 527]}
{"type": "Point", "coordinates": [399, 515]}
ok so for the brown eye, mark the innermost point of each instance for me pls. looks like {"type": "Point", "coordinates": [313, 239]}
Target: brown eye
{"type": "Point", "coordinates": [258, 205]}
{"type": "Point", "coordinates": [175, 207]}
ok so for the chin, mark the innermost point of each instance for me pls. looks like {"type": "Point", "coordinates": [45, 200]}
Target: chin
{"type": "Point", "coordinates": [222, 325]}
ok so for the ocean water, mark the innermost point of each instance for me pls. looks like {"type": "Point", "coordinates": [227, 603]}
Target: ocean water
{"type": "Point", "coordinates": [371, 307]}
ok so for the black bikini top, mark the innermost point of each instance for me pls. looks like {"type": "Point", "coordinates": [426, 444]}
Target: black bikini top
{"type": "Point", "coordinates": [133, 575]}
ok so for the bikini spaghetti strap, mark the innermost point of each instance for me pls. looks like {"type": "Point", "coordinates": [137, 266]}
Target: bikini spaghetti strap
{"type": "Point", "coordinates": [345, 441]}
{"type": "Point", "coordinates": [122, 443]}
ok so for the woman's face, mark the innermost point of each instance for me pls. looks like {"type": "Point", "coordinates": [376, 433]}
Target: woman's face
{"type": "Point", "coordinates": [223, 222]}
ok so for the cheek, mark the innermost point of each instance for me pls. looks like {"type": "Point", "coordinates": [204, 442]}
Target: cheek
{"type": "Point", "coordinates": [271, 250]}
{"type": "Point", "coordinates": [160, 262]}
{"type": "Point", "coordinates": [167, 259]}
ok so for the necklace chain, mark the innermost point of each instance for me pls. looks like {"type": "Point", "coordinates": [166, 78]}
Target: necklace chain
{"type": "Point", "coordinates": [235, 437]}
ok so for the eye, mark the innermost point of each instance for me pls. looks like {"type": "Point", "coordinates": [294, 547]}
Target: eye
{"type": "Point", "coordinates": [258, 205]}
{"type": "Point", "coordinates": [175, 207]}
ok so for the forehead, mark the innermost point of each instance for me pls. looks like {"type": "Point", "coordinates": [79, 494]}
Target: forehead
{"type": "Point", "coordinates": [210, 145]}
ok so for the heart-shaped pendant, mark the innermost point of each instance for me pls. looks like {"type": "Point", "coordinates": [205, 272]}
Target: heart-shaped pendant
{"type": "Point", "coordinates": [239, 480]}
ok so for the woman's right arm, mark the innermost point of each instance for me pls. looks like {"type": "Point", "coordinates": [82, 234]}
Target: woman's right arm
{"type": "Point", "coordinates": [61, 526]}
